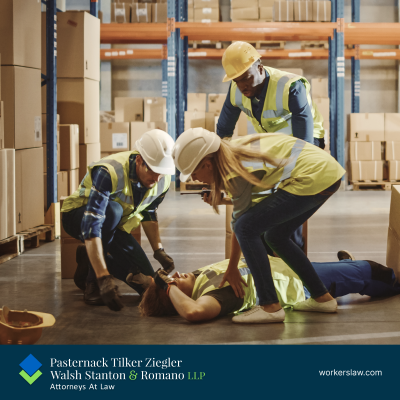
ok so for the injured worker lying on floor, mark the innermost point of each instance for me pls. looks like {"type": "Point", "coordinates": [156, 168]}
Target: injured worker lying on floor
{"type": "Point", "coordinates": [197, 297]}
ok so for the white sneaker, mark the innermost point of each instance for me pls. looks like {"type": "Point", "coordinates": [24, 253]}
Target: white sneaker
{"type": "Point", "coordinates": [312, 305]}
{"type": "Point", "coordinates": [257, 315]}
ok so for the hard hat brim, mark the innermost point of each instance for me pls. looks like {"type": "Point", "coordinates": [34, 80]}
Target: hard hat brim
{"type": "Point", "coordinates": [167, 166]}
{"type": "Point", "coordinates": [184, 177]}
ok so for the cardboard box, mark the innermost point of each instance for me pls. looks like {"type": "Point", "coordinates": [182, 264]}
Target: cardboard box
{"type": "Point", "coordinates": [139, 128]}
{"type": "Point", "coordinates": [45, 158]}
{"type": "Point", "coordinates": [195, 119]}
{"type": "Point", "coordinates": [29, 188]}
{"type": "Point", "coordinates": [69, 246]}
{"type": "Point", "coordinates": [367, 127]}
{"type": "Point", "coordinates": [141, 12]}
{"type": "Point", "coordinates": [367, 170]}
{"type": "Point", "coordinates": [190, 14]}
{"type": "Point", "coordinates": [1, 124]}
{"type": "Point", "coordinates": [392, 127]}
{"type": "Point", "coordinates": [78, 103]}
{"type": "Point", "coordinates": [393, 244]}
{"type": "Point", "coordinates": [303, 11]}
{"type": "Point", "coordinates": [240, 128]}
{"type": "Point", "coordinates": [321, 11]}
{"type": "Point", "coordinates": [73, 181]}
{"type": "Point", "coordinates": [240, 14]}
{"type": "Point", "coordinates": [266, 3]}
{"type": "Point", "coordinates": [322, 105]}
{"type": "Point", "coordinates": [114, 137]}
{"type": "Point", "coordinates": [319, 88]}
{"type": "Point", "coordinates": [365, 151]}
{"type": "Point", "coordinates": [7, 193]}
{"type": "Point", "coordinates": [121, 13]}
{"type": "Point", "coordinates": [283, 11]}
{"type": "Point", "coordinates": [44, 128]}
{"type": "Point", "coordinates": [88, 153]}
{"type": "Point", "coordinates": [159, 13]}
{"type": "Point", "coordinates": [20, 33]}
{"type": "Point", "coordinates": [205, 3]}
{"type": "Point", "coordinates": [78, 45]}
{"type": "Point", "coordinates": [394, 170]}
{"type": "Point", "coordinates": [22, 113]}
{"type": "Point", "coordinates": [266, 14]}
{"type": "Point", "coordinates": [206, 15]}
{"type": "Point", "coordinates": [69, 147]}
{"type": "Point", "coordinates": [392, 151]}
{"type": "Point", "coordinates": [155, 109]}
{"type": "Point", "coordinates": [216, 102]}
{"type": "Point", "coordinates": [128, 109]}
{"type": "Point", "coordinates": [62, 187]}
{"type": "Point", "coordinates": [244, 4]}
{"type": "Point", "coordinates": [196, 102]}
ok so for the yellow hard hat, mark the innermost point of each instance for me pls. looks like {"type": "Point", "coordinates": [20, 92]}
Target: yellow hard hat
{"type": "Point", "coordinates": [238, 58]}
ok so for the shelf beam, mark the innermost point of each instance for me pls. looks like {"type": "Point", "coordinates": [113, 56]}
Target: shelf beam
{"type": "Point", "coordinates": [355, 62]}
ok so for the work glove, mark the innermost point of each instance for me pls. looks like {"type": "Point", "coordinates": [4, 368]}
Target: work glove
{"type": "Point", "coordinates": [109, 293]}
{"type": "Point", "coordinates": [165, 260]}
{"type": "Point", "coordinates": [140, 279]}
{"type": "Point", "coordinates": [163, 280]}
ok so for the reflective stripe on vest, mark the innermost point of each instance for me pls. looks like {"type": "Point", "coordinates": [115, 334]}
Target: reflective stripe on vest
{"type": "Point", "coordinates": [119, 170]}
{"type": "Point", "coordinates": [239, 103]}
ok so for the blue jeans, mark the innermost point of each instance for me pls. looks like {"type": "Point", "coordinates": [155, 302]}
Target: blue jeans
{"type": "Point", "coordinates": [363, 277]}
{"type": "Point", "coordinates": [122, 253]}
{"type": "Point", "coordinates": [279, 215]}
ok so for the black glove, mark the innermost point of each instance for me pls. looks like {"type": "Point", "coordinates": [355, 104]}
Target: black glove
{"type": "Point", "coordinates": [162, 279]}
{"type": "Point", "coordinates": [140, 279]}
{"type": "Point", "coordinates": [109, 293]}
{"type": "Point", "coordinates": [165, 260]}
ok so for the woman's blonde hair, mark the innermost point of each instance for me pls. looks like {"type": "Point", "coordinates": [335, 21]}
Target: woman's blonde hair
{"type": "Point", "coordinates": [228, 159]}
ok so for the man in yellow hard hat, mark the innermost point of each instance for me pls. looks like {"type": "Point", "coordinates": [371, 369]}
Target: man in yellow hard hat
{"type": "Point", "coordinates": [273, 100]}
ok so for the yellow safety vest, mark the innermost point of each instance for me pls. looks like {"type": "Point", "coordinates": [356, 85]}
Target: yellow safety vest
{"type": "Point", "coordinates": [118, 167]}
{"type": "Point", "coordinates": [305, 169]}
{"type": "Point", "coordinates": [288, 285]}
{"type": "Point", "coordinates": [276, 116]}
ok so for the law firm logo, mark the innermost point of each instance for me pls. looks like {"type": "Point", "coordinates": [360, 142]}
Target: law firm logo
{"type": "Point", "coordinates": [30, 369]}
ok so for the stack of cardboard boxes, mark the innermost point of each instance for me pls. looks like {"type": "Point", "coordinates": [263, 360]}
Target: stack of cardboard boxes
{"type": "Point", "coordinates": [320, 97]}
{"type": "Point", "coordinates": [20, 116]}
{"type": "Point", "coordinates": [133, 117]}
{"type": "Point", "coordinates": [392, 150]}
{"type": "Point", "coordinates": [78, 89]}
{"type": "Point", "coordinates": [303, 10]}
{"type": "Point", "coordinates": [266, 10]}
{"type": "Point", "coordinates": [205, 11]}
{"type": "Point", "coordinates": [366, 156]}
{"type": "Point", "coordinates": [139, 11]}
{"type": "Point", "coordinates": [393, 242]}
{"type": "Point", "coordinates": [244, 10]}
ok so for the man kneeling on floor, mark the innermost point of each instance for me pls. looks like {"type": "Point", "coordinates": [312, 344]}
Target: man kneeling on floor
{"type": "Point", "coordinates": [117, 194]}
{"type": "Point", "coordinates": [197, 296]}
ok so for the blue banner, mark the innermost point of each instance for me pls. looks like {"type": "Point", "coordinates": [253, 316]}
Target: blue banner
{"type": "Point", "coordinates": [199, 372]}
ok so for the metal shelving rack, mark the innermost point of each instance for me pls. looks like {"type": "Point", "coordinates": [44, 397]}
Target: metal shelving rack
{"type": "Point", "coordinates": [50, 80]}
{"type": "Point", "coordinates": [177, 32]}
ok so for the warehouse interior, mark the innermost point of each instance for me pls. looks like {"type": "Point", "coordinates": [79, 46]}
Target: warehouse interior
{"type": "Point", "coordinates": [117, 85]}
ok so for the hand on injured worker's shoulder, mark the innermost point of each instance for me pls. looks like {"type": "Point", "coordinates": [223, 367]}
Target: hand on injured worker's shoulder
{"type": "Point", "coordinates": [165, 260]}
{"type": "Point", "coordinates": [232, 275]}
{"type": "Point", "coordinates": [163, 280]}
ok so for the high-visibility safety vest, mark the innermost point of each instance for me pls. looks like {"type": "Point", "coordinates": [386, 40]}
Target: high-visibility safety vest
{"type": "Point", "coordinates": [118, 167]}
{"type": "Point", "coordinates": [288, 285]}
{"type": "Point", "coordinates": [303, 170]}
{"type": "Point", "coordinates": [276, 116]}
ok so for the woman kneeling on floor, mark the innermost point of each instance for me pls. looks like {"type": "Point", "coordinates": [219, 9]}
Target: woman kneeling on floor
{"type": "Point", "coordinates": [196, 296]}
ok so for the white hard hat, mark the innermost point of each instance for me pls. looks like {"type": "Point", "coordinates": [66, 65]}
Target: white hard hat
{"type": "Point", "coordinates": [155, 147]}
{"type": "Point", "coordinates": [191, 147]}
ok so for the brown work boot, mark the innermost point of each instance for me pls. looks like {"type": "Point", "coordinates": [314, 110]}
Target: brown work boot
{"type": "Point", "coordinates": [92, 295]}
{"type": "Point", "coordinates": [82, 268]}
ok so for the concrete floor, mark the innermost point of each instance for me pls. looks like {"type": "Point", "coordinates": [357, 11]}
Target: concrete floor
{"type": "Point", "coordinates": [194, 236]}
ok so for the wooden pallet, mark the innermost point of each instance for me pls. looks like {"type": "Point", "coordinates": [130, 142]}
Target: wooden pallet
{"type": "Point", "coordinates": [316, 44]}
{"type": "Point", "coordinates": [268, 44]}
{"type": "Point", "coordinates": [205, 44]}
{"type": "Point", "coordinates": [8, 248]}
{"type": "Point", "coordinates": [31, 237]}
{"type": "Point", "coordinates": [194, 186]}
{"type": "Point", "coordinates": [378, 185]}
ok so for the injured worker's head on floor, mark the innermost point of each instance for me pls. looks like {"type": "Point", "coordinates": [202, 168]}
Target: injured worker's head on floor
{"type": "Point", "coordinates": [156, 302]}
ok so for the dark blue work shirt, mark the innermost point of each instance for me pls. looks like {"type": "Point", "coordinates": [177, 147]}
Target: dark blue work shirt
{"type": "Point", "coordinates": [302, 119]}
{"type": "Point", "coordinates": [94, 216]}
